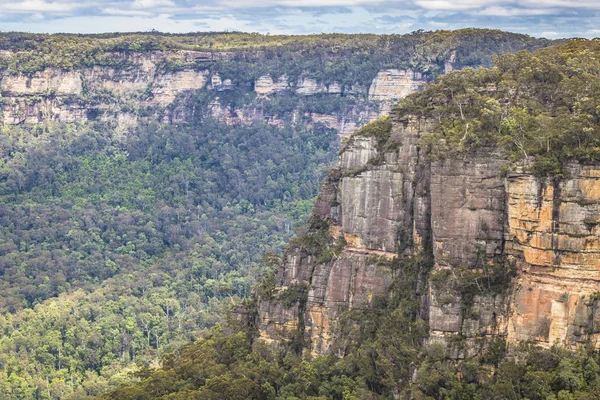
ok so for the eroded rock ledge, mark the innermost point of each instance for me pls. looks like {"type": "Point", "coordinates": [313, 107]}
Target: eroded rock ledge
{"type": "Point", "coordinates": [156, 84]}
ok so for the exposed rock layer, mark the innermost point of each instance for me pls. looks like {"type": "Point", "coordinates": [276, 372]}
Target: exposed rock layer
{"type": "Point", "coordinates": [473, 218]}
{"type": "Point", "coordinates": [145, 85]}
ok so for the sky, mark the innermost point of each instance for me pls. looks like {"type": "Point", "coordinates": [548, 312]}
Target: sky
{"type": "Point", "coordinates": [540, 18]}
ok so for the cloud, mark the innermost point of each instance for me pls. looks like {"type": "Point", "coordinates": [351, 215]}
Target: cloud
{"type": "Point", "coordinates": [124, 12]}
{"type": "Point", "coordinates": [37, 6]}
{"type": "Point", "coordinates": [299, 3]}
{"type": "Point", "coordinates": [152, 3]}
{"type": "Point", "coordinates": [572, 4]}
{"type": "Point", "coordinates": [513, 12]}
{"type": "Point", "coordinates": [451, 5]}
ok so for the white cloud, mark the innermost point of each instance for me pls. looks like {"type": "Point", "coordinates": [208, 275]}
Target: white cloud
{"type": "Point", "coordinates": [300, 3]}
{"type": "Point", "coordinates": [152, 3]}
{"type": "Point", "coordinates": [545, 17]}
{"type": "Point", "coordinates": [37, 6]}
{"type": "Point", "coordinates": [594, 4]}
{"type": "Point", "coordinates": [453, 5]}
{"type": "Point", "coordinates": [515, 12]}
{"type": "Point", "coordinates": [122, 12]}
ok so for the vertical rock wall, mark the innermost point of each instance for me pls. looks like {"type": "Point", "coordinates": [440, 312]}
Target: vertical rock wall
{"type": "Point", "coordinates": [553, 235]}
{"type": "Point", "coordinates": [475, 219]}
{"type": "Point", "coordinates": [142, 82]}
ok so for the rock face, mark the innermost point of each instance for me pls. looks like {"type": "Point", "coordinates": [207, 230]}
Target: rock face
{"type": "Point", "coordinates": [161, 85]}
{"type": "Point", "coordinates": [265, 85]}
{"type": "Point", "coordinates": [467, 229]}
{"type": "Point", "coordinates": [449, 64]}
{"type": "Point", "coordinates": [167, 86]}
{"type": "Point", "coordinates": [100, 92]}
{"type": "Point", "coordinates": [393, 84]}
{"type": "Point", "coordinates": [467, 210]}
{"type": "Point", "coordinates": [364, 205]}
{"type": "Point", "coordinates": [49, 80]}
{"type": "Point", "coordinates": [552, 233]}
{"type": "Point", "coordinates": [472, 219]}
{"type": "Point", "coordinates": [69, 96]}
{"type": "Point", "coordinates": [309, 86]}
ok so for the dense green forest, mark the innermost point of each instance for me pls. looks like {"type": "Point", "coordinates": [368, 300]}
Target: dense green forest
{"type": "Point", "coordinates": [117, 246]}
{"type": "Point", "coordinates": [226, 366]}
{"type": "Point", "coordinates": [541, 110]}
{"type": "Point", "coordinates": [139, 242]}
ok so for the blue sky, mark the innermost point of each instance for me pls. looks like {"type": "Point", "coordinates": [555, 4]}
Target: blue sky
{"type": "Point", "coordinates": [548, 18]}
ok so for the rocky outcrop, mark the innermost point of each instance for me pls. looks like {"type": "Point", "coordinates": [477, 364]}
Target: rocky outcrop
{"type": "Point", "coordinates": [330, 121]}
{"type": "Point", "coordinates": [449, 63]}
{"type": "Point", "coordinates": [265, 85]}
{"type": "Point", "coordinates": [348, 281]}
{"type": "Point", "coordinates": [394, 84]}
{"type": "Point", "coordinates": [149, 84]}
{"type": "Point", "coordinates": [34, 110]}
{"type": "Point", "coordinates": [67, 96]}
{"type": "Point", "coordinates": [166, 87]}
{"type": "Point", "coordinates": [219, 85]}
{"type": "Point", "coordinates": [142, 81]}
{"type": "Point", "coordinates": [467, 210]}
{"type": "Point", "coordinates": [305, 86]}
{"type": "Point", "coordinates": [364, 204]}
{"type": "Point", "coordinates": [89, 93]}
{"type": "Point", "coordinates": [309, 86]}
{"type": "Point", "coordinates": [51, 80]}
{"type": "Point", "coordinates": [467, 228]}
{"type": "Point", "coordinates": [386, 199]}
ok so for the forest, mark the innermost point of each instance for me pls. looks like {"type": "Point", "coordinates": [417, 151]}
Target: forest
{"type": "Point", "coordinates": [385, 358]}
{"type": "Point", "coordinates": [113, 249]}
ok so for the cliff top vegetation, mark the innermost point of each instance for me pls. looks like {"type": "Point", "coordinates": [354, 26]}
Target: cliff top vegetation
{"type": "Point", "coordinates": [423, 51]}
{"type": "Point", "coordinates": [540, 108]}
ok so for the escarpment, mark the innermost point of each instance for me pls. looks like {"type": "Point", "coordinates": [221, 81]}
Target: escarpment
{"type": "Point", "coordinates": [489, 179]}
{"type": "Point", "coordinates": [359, 207]}
{"type": "Point", "coordinates": [154, 85]}
{"type": "Point", "coordinates": [514, 255]}
{"type": "Point", "coordinates": [130, 80]}
{"type": "Point", "coordinates": [100, 91]}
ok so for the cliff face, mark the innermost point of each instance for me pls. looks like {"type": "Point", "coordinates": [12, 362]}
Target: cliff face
{"type": "Point", "coordinates": [144, 87]}
{"type": "Point", "coordinates": [79, 95]}
{"type": "Point", "coordinates": [365, 205]}
{"type": "Point", "coordinates": [552, 234]}
{"type": "Point", "coordinates": [336, 81]}
{"type": "Point", "coordinates": [385, 199]}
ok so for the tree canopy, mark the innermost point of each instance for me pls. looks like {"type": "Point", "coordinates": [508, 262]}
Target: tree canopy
{"type": "Point", "coordinates": [539, 108]}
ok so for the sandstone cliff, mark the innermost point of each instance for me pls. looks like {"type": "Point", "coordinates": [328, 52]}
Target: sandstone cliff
{"type": "Point", "coordinates": [383, 198]}
{"type": "Point", "coordinates": [147, 87]}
